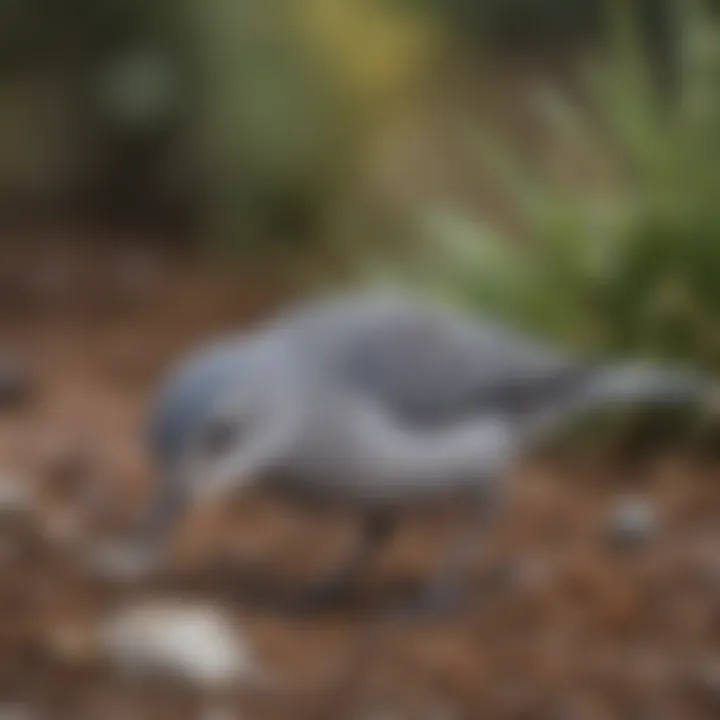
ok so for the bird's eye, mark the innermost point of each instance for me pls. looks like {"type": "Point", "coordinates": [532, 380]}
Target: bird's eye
{"type": "Point", "coordinates": [219, 436]}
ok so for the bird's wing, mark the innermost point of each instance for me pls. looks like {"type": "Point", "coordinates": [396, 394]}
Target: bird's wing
{"type": "Point", "coordinates": [432, 366]}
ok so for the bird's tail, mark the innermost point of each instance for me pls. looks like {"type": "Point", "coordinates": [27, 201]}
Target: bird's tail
{"type": "Point", "coordinates": [628, 385]}
{"type": "Point", "coordinates": [647, 382]}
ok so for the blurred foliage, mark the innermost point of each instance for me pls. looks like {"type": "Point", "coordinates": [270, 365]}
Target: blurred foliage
{"type": "Point", "coordinates": [521, 20]}
{"type": "Point", "coordinates": [292, 94]}
{"type": "Point", "coordinates": [631, 267]}
{"type": "Point", "coordinates": [260, 117]}
{"type": "Point", "coordinates": [257, 115]}
{"type": "Point", "coordinates": [544, 22]}
{"type": "Point", "coordinates": [33, 32]}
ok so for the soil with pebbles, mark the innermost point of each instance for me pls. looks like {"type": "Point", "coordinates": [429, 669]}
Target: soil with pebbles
{"type": "Point", "coordinates": [561, 623]}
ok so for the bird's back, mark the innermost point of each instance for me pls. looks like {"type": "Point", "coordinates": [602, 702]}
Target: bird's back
{"type": "Point", "coordinates": [427, 364]}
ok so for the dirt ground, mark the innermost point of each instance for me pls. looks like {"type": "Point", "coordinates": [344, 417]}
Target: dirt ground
{"type": "Point", "coordinates": [560, 625]}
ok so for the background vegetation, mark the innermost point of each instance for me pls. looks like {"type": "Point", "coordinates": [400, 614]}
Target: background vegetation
{"type": "Point", "coordinates": [265, 127]}
{"type": "Point", "coordinates": [619, 253]}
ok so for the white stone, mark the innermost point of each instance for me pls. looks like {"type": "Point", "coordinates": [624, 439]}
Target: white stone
{"type": "Point", "coordinates": [197, 643]}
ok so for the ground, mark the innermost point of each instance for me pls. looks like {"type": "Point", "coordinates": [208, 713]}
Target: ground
{"type": "Point", "coordinates": [560, 625]}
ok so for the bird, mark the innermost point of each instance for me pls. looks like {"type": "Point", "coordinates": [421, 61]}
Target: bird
{"type": "Point", "coordinates": [378, 401]}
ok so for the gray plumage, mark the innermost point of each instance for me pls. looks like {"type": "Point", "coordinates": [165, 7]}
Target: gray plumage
{"type": "Point", "coordinates": [379, 402]}
{"type": "Point", "coordinates": [430, 375]}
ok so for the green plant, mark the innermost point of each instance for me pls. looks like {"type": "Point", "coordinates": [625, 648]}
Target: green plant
{"type": "Point", "coordinates": [629, 268]}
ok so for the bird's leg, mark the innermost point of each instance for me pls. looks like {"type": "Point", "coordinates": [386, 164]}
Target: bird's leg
{"type": "Point", "coordinates": [338, 586]}
{"type": "Point", "coordinates": [447, 590]}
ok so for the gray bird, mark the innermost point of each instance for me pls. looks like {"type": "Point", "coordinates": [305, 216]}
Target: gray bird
{"type": "Point", "coordinates": [379, 402]}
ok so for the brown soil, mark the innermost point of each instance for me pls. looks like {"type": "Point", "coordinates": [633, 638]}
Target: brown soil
{"type": "Point", "coordinates": [559, 624]}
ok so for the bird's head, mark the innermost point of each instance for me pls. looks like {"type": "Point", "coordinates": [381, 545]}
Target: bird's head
{"type": "Point", "coordinates": [217, 429]}
{"type": "Point", "coordinates": [221, 421]}
{"type": "Point", "coordinates": [239, 437]}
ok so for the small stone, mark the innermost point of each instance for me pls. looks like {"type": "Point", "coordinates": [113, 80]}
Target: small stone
{"type": "Point", "coordinates": [632, 522]}
{"type": "Point", "coordinates": [195, 643]}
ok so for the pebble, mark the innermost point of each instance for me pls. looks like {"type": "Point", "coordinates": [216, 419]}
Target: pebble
{"type": "Point", "coordinates": [632, 522]}
{"type": "Point", "coordinates": [196, 643]}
